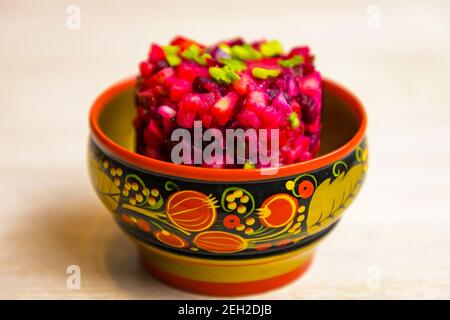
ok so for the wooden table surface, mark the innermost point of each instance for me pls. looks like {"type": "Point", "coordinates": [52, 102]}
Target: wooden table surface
{"type": "Point", "coordinates": [394, 241]}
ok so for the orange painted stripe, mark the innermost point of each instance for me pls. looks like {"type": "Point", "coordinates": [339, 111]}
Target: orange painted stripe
{"type": "Point", "coordinates": [227, 289]}
{"type": "Point", "coordinates": [211, 174]}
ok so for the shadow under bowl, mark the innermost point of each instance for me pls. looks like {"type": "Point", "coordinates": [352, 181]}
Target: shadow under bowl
{"type": "Point", "coordinates": [226, 231]}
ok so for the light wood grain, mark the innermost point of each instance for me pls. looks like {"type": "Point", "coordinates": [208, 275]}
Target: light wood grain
{"type": "Point", "coordinates": [394, 241]}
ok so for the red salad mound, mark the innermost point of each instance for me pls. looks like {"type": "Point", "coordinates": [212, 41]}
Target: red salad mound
{"type": "Point", "coordinates": [230, 85]}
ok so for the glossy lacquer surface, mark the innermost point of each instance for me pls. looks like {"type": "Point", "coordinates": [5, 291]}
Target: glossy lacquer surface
{"type": "Point", "coordinates": [222, 219]}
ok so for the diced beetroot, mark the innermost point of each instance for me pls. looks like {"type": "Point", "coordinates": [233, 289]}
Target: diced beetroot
{"type": "Point", "coordinates": [238, 41]}
{"type": "Point", "coordinates": [207, 120]}
{"type": "Point", "coordinates": [283, 137]}
{"type": "Point", "coordinates": [266, 63]}
{"type": "Point", "coordinates": [303, 142]}
{"type": "Point", "coordinates": [146, 98]}
{"type": "Point", "coordinates": [184, 43]}
{"type": "Point", "coordinates": [256, 101]}
{"type": "Point", "coordinates": [141, 118]}
{"type": "Point", "coordinates": [190, 71]}
{"type": "Point", "coordinates": [178, 88]}
{"type": "Point", "coordinates": [190, 103]}
{"type": "Point", "coordinates": [167, 115]}
{"type": "Point", "coordinates": [207, 100]}
{"type": "Point", "coordinates": [162, 77]}
{"type": "Point", "coordinates": [244, 84]}
{"type": "Point", "coordinates": [153, 135]}
{"type": "Point", "coordinates": [223, 108]}
{"type": "Point", "coordinates": [272, 118]}
{"type": "Point", "coordinates": [288, 155]}
{"type": "Point", "coordinates": [301, 51]}
{"type": "Point", "coordinates": [306, 156]}
{"type": "Point", "coordinates": [156, 53]}
{"type": "Point", "coordinates": [203, 85]}
{"type": "Point", "coordinates": [168, 125]}
{"type": "Point", "coordinates": [156, 89]}
{"type": "Point", "coordinates": [311, 84]}
{"type": "Point", "coordinates": [281, 104]}
{"type": "Point", "coordinates": [296, 108]}
{"type": "Point", "coordinates": [315, 143]}
{"type": "Point", "coordinates": [167, 112]}
{"type": "Point", "coordinates": [249, 119]}
{"type": "Point", "coordinates": [313, 127]}
{"type": "Point", "coordinates": [310, 110]}
{"type": "Point", "coordinates": [292, 88]}
{"type": "Point", "coordinates": [161, 64]}
{"type": "Point", "coordinates": [185, 119]}
{"type": "Point", "coordinates": [146, 68]}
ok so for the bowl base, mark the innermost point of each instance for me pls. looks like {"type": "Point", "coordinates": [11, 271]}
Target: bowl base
{"type": "Point", "coordinates": [220, 277]}
{"type": "Point", "coordinates": [226, 289]}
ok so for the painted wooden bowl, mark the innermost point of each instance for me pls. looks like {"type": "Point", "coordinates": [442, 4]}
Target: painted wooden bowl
{"type": "Point", "coordinates": [226, 231]}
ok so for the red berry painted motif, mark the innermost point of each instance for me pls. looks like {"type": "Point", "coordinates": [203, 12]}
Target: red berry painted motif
{"type": "Point", "coordinates": [305, 189]}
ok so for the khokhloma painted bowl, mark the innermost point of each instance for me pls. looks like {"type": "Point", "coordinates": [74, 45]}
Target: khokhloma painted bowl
{"type": "Point", "coordinates": [226, 231]}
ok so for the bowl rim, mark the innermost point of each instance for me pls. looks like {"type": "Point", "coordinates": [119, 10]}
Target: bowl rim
{"type": "Point", "coordinates": [216, 174]}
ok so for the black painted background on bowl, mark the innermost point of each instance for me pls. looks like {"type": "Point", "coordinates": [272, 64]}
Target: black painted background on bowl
{"type": "Point", "coordinates": [261, 190]}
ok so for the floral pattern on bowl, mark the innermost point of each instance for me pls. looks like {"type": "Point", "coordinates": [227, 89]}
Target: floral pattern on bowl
{"type": "Point", "coordinates": [214, 219]}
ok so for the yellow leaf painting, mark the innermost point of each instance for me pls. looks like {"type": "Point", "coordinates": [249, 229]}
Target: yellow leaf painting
{"type": "Point", "coordinates": [108, 192]}
{"type": "Point", "coordinates": [331, 198]}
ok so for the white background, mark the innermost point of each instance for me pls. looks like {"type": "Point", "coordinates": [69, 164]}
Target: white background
{"type": "Point", "coordinates": [394, 241]}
